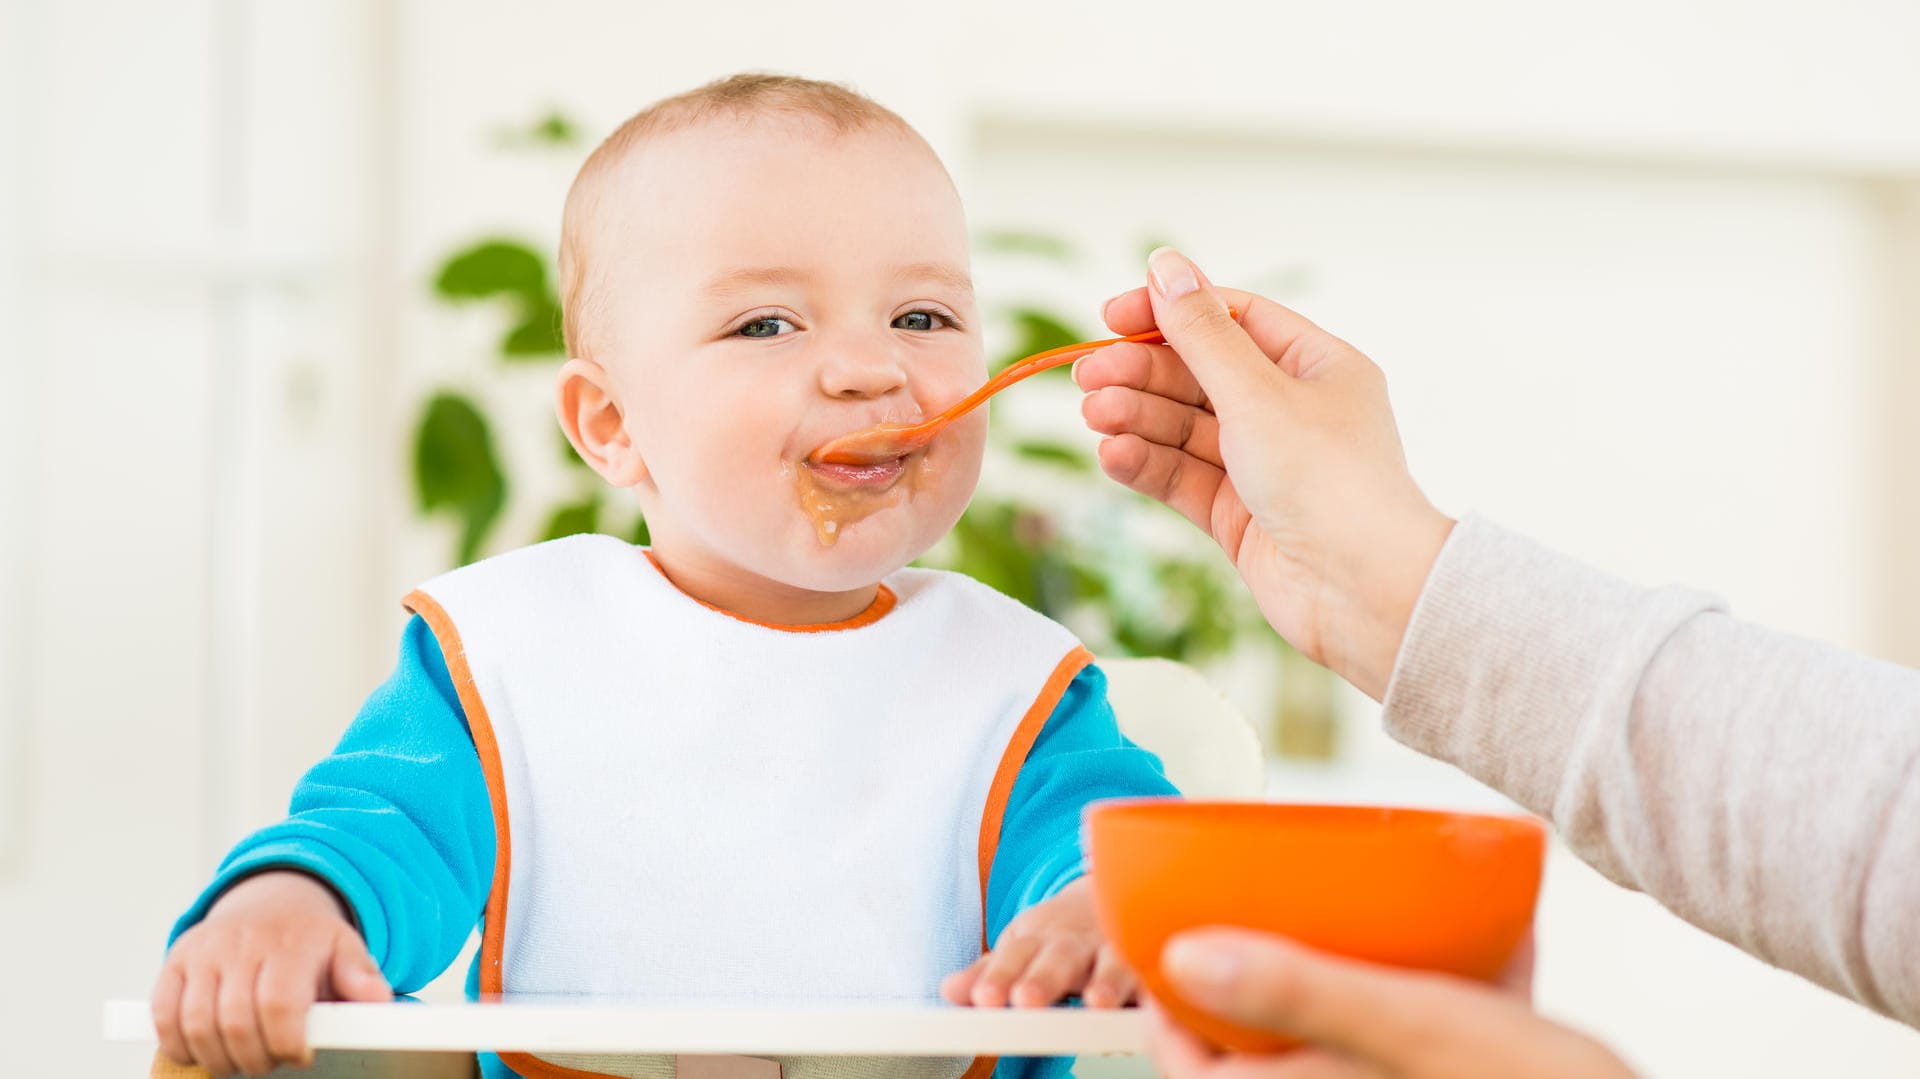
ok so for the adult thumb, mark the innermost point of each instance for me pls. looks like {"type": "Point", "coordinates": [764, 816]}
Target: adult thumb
{"type": "Point", "coordinates": [1270, 983]}
{"type": "Point", "coordinates": [354, 974]}
{"type": "Point", "coordinates": [1196, 322]}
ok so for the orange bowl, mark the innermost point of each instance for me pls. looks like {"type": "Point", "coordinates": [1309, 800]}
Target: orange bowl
{"type": "Point", "coordinates": [1423, 889]}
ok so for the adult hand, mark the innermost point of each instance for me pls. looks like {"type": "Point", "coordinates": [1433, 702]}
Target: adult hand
{"type": "Point", "coordinates": [1276, 439]}
{"type": "Point", "coordinates": [1360, 1021]}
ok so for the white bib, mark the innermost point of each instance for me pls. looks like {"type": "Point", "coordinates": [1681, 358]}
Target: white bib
{"type": "Point", "coordinates": [692, 806]}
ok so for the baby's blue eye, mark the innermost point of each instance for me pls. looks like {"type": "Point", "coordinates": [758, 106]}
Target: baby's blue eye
{"type": "Point", "coordinates": [763, 327]}
{"type": "Point", "coordinates": [917, 320]}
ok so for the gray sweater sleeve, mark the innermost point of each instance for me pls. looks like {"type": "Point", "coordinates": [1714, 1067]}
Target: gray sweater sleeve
{"type": "Point", "coordinates": [1764, 787]}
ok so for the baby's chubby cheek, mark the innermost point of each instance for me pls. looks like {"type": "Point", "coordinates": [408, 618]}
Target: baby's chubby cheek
{"type": "Point", "coordinates": [949, 473]}
{"type": "Point", "coordinates": [953, 462]}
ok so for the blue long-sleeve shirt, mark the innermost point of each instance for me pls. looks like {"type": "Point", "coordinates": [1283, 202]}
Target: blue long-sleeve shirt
{"type": "Point", "coordinates": [397, 821]}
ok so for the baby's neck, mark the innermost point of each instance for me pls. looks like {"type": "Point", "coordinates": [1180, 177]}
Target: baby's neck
{"type": "Point", "coordinates": [757, 599]}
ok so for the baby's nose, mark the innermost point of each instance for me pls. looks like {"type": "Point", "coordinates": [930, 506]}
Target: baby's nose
{"type": "Point", "coordinates": [862, 373]}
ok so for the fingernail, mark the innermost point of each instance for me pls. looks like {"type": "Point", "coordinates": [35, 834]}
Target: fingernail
{"type": "Point", "coordinates": [1109, 303]}
{"type": "Point", "coordinates": [1203, 970]}
{"type": "Point", "coordinates": [1172, 274]}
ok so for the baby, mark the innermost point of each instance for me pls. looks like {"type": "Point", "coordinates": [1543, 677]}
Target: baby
{"type": "Point", "coordinates": [760, 759]}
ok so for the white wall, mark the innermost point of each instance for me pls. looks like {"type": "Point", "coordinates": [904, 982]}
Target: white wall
{"type": "Point", "coordinates": [192, 273]}
{"type": "Point", "coordinates": [232, 211]}
{"type": "Point", "coordinates": [1663, 367]}
{"type": "Point", "coordinates": [117, 482]}
{"type": "Point", "coordinates": [16, 441]}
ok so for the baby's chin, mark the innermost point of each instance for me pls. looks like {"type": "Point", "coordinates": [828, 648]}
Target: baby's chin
{"type": "Point", "coordinates": [853, 526]}
{"type": "Point", "coordinates": [859, 554]}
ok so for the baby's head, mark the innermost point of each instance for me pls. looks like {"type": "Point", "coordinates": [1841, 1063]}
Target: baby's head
{"type": "Point", "coordinates": [751, 269]}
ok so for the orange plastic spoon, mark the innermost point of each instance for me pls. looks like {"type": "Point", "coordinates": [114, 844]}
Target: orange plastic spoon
{"type": "Point", "coordinates": [890, 440]}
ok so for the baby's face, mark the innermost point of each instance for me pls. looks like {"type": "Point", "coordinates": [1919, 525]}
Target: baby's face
{"type": "Point", "coordinates": [764, 288]}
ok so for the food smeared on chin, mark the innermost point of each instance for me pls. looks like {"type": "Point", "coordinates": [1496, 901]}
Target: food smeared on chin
{"type": "Point", "coordinates": [834, 496]}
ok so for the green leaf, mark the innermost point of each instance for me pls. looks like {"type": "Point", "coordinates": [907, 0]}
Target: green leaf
{"type": "Point", "coordinates": [1195, 618]}
{"type": "Point", "coordinates": [494, 268]}
{"type": "Point", "coordinates": [985, 549]}
{"type": "Point", "coordinates": [1089, 581]}
{"type": "Point", "coordinates": [538, 336]}
{"type": "Point", "coordinates": [555, 130]}
{"type": "Point", "coordinates": [1037, 331]}
{"type": "Point", "coordinates": [455, 470]}
{"type": "Point", "coordinates": [1041, 330]}
{"type": "Point", "coordinates": [1014, 549]}
{"type": "Point", "coordinates": [1054, 453]}
{"type": "Point", "coordinates": [1018, 242]}
{"type": "Point", "coordinates": [582, 516]}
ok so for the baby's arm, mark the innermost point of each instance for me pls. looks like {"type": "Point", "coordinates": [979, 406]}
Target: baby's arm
{"type": "Point", "coordinates": [1039, 908]}
{"type": "Point", "coordinates": [384, 860]}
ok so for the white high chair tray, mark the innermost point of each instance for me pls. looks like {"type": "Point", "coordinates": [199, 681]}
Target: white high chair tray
{"type": "Point", "coordinates": [546, 1024]}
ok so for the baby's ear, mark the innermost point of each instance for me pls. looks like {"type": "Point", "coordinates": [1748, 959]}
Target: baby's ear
{"type": "Point", "coordinates": [590, 415]}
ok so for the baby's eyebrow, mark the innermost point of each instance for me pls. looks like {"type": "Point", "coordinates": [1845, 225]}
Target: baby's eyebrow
{"type": "Point", "coordinates": [756, 277]}
{"type": "Point", "coordinates": [744, 280]}
{"type": "Point", "coordinates": [940, 273]}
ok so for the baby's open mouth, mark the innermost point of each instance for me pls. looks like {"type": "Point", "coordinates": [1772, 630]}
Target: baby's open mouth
{"type": "Point", "coordinates": [869, 476]}
{"type": "Point", "coordinates": [835, 496]}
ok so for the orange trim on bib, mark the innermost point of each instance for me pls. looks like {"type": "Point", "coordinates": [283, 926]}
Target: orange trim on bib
{"type": "Point", "coordinates": [1011, 762]}
{"type": "Point", "coordinates": [883, 601]}
{"type": "Point", "coordinates": [982, 1068]}
{"type": "Point", "coordinates": [494, 933]}
{"type": "Point", "coordinates": [1015, 757]}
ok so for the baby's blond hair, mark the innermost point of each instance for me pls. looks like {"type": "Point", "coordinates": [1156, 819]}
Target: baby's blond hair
{"type": "Point", "coordinates": [839, 108]}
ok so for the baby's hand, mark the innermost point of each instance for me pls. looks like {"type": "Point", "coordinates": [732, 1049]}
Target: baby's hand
{"type": "Point", "coordinates": [234, 991]}
{"type": "Point", "coordinates": [1051, 951]}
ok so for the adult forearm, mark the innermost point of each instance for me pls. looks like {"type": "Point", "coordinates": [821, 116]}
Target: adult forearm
{"type": "Point", "coordinates": [1762, 786]}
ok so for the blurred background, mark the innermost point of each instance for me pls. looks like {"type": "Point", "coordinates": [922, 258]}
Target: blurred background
{"type": "Point", "coordinates": [276, 326]}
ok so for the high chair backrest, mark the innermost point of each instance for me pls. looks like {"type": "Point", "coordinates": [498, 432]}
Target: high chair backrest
{"type": "Point", "coordinates": [1170, 709]}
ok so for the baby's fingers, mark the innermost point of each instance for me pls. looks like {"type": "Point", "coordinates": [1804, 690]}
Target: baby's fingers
{"type": "Point", "coordinates": [166, 1014]}
{"type": "Point", "coordinates": [1059, 968]}
{"type": "Point", "coordinates": [200, 1020]}
{"type": "Point", "coordinates": [958, 986]}
{"type": "Point", "coordinates": [1004, 965]}
{"type": "Point", "coordinates": [286, 990]}
{"type": "Point", "coordinates": [239, 1021]}
{"type": "Point", "coordinates": [1113, 985]}
{"type": "Point", "coordinates": [353, 973]}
